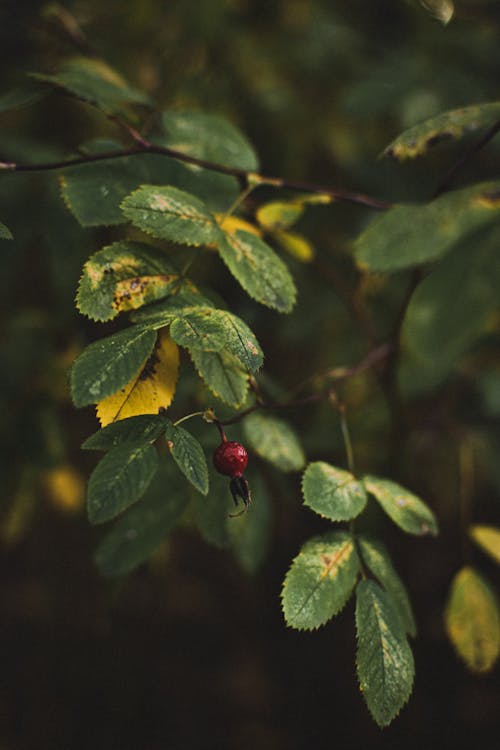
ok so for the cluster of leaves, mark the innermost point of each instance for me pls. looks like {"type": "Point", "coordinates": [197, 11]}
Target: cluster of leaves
{"type": "Point", "coordinates": [187, 206]}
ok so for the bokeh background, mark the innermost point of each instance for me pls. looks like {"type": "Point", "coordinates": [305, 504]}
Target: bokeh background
{"type": "Point", "coordinates": [191, 650]}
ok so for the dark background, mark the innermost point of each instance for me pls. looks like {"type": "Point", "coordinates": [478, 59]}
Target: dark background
{"type": "Point", "coordinates": [190, 651]}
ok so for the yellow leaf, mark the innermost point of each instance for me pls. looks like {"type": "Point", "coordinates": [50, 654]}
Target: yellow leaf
{"type": "Point", "coordinates": [473, 620]}
{"type": "Point", "coordinates": [296, 245]}
{"type": "Point", "coordinates": [65, 487]}
{"type": "Point", "coordinates": [233, 224]}
{"type": "Point", "coordinates": [488, 538]}
{"type": "Point", "coordinates": [152, 388]}
{"type": "Point", "coordinates": [279, 215]}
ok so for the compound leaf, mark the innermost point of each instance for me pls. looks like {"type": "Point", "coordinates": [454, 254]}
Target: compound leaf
{"type": "Point", "coordinates": [384, 659]}
{"type": "Point", "coordinates": [473, 620]}
{"type": "Point", "coordinates": [124, 276]}
{"type": "Point", "coordinates": [320, 580]}
{"type": "Point", "coordinates": [407, 510]}
{"type": "Point", "coordinates": [171, 214]}
{"type": "Point", "coordinates": [108, 364]}
{"type": "Point", "coordinates": [119, 480]}
{"type": "Point", "coordinates": [332, 493]}
{"type": "Point", "coordinates": [150, 389]}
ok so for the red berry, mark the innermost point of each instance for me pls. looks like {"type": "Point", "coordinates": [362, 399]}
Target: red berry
{"type": "Point", "coordinates": [230, 458]}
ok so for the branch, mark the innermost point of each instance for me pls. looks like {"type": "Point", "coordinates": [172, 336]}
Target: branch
{"type": "Point", "coordinates": [144, 146]}
{"type": "Point", "coordinates": [335, 374]}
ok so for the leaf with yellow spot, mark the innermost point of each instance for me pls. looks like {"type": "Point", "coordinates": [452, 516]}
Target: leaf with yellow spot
{"type": "Point", "coordinates": [473, 620]}
{"type": "Point", "coordinates": [320, 580]}
{"type": "Point", "coordinates": [151, 389]}
{"type": "Point", "coordinates": [488, 538]}
{"type": "Point", "coordinates": [124, 276]}
{"type": "Point", "coordinates": [231, 224]}
{"type": "Point", "coordinates": [279, 214]}
{"type": "Point", "coordinates": [295, 245]}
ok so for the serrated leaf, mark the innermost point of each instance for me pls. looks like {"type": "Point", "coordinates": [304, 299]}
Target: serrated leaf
{"type": "Point", "coordinates": [151, 389]}
{"type": "Point", "coordinates": [223, 375]}
{"type": "Point", "coordinates": [320, 580]}
{"type": "Point", "coordinates": [440, 325]}
{"type": "Point", "coordinates": [208, 137]}
{"type": "Point", "coordinates": [250, 533]}
{"type": "Point", "coordinates": [275, 441]}
{"type": "Point", "coordinates": [140, 531]}
{"type": "Point", "coordinates": [5, 233]}
{"type": "Point", "coordinates": [296, 245]}
{"type": "Point", "coordinates": [407, 510]}
{"type": "Point", "coordinates": [443, 10]}
{"type": "Point", "coordinates": [95, 82]}
{"type": "Point", "coordinates": [232, 224]}
{"type": "Point", "coordinates": [171, 214]}
{"type": "Point", "coordinates": [124, 276]}
{"type": "Point", "coordinates": [407, 236]}
{"type": "Point", "coordinates": [449, 125]}
{"type": "Point", "coordinates": [488, 538]}
{"type": "Point", "coordinates": [119, 480]}
{"type": "Point", "coordinates": [332, 493]}
{"type": "Point", "coordinates": [258, 269]}
{"type": "Point", "coordinates": [473, 620]}
{"type": "Point", "coordinates": [189, 457]}
{"type": "Point", "coordinates": [163, 313]}
{"type": "Point", "coordinates": [108, 364]}
{"type": "Point", "coordinates": [144, 428]}
{"type": "Point", "coordinates": [378, 561]}
{"type": "Point", "coordinates": [215, 330]}
{"type": "Point", "coordinates": [279, 215]}
{"type": "Point", "coordinates": [384, 659]}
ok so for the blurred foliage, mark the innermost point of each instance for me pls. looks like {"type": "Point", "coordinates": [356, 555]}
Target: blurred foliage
{"type": "Point", "coordinates": [320, 88]}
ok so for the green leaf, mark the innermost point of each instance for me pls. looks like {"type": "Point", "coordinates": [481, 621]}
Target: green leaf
{"type": "Point", "coordinates": [406, 510]}
{"type": "Point", "coordinates": [320, 580]}
{"type": "Point", "coordinates": [208, 137]}
{"type": "Point", "coordinates": [384, 659]}
{"type": "Point", "coordinates": [275, 441]}
{"type": "Point", "coordinates": [124, 276]}
{"type": "Point", "coordinates": [250, 533]}
{"type": "Point", "coordinates": [163, 313]}
{"type": "Point", "coordinates": [171, 214]}
{"type": "Point", "coordinates": [332, 493]}
{"type": "Point", "coordinates": [279, 215]}
{"type": "Point", "coordinates": [95, 82]}
{"type": "Point", "coordinates": [407, 236]}
{"type": "Point", "coordinates": [189, 457]}
{"type": "Point", "coordinates": [223, 375]}
{"type": "Point", "coordinates": [443, 10]}
{"type": "Point", "coordinates": [377, 559]}
{"type": "Point", "coordinates": [488, 538]}
{"type": "Point", "coordinates": [119, 480]}
{"type": "Point", "coordinates": [440, 325]}
{"type": "Point", "coordinates": [110, 363]}
{"type": "Point", "coordinates": [5, 233]}
{"type": "Point", "coordinates": [261, 273]}
{"type": "Point", "coordinates": [28, 93]}
{"type": "Point", "coordinates": [473, 620]}
{"type": "Point", "coordinates": [142, 429]}
{"type": "Point", "coordinates": [210, 329]}
{"type": "Point", "coordinates": [141, 530]}
{"type": "Point", "coordinates": [449, 125]}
